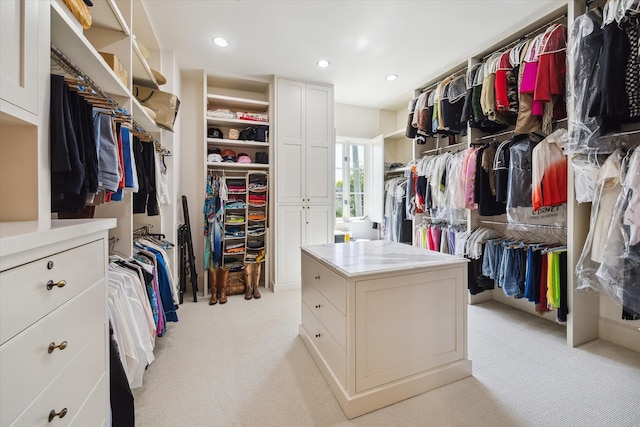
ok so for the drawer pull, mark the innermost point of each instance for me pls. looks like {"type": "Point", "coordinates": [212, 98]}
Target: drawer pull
{"type": "Point", "coordinates": [317, 335]}
{"type": "Point", "coordinates": [60, 284]}
{"type": "Point", "coordinates": [61, 346]}
{"type": "Point", "coordinates": [60, 414]}
{"type": "Point", "coordinates": [318, 306]}
{"type": "Point", "coordinates": [317, 277]}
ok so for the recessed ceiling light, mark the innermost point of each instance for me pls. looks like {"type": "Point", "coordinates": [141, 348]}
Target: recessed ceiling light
{"type": "Point", "coordinates": [221, 41]}
{"type": "Point", "coordinates": [391, 77]}
{"type": "Point", "coordinates": [323, 63]}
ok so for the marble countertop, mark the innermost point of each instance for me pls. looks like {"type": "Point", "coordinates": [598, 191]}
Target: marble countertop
{"type": "Point", "coordinates": [378, 256]}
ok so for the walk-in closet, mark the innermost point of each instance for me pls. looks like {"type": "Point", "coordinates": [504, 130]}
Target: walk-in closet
{"type": "Point", "coordinates": [319, 213]}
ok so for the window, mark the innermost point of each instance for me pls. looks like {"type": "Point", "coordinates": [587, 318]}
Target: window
{"type": "Point", "coordinates": [351, 160]}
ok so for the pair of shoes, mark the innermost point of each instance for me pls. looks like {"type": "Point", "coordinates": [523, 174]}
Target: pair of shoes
{"type": "Point", "coordinates": [218, 278]}
{"type": "Point", "coordinates": [252, 280]}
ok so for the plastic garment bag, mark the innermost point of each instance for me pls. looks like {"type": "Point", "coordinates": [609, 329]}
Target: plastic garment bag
{"type": "Point", "coordinates": [619, 273]}
{"type": "Point", "coordinates": [583, 68]}
{"type": "Point", "coordinates": [585, 173]}
{"type": "Point", "coordinates": [607, 190]}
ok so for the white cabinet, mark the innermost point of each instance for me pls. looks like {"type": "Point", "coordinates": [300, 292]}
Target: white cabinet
{"type": "Point", "coordinates": [52, 366]}
{"type": "Point", "coordinates": [301, 225]}
{"type": "Point", "coordinates": [305, 182]}
{"type": "Point", "coordinates": [305, 142]}
{"type": "Point", "coordinates": [383, 321]}
{"type": "Point", "coordinates": [20, 52]}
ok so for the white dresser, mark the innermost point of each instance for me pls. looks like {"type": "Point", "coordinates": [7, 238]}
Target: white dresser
{"type": "Point", "coordinates": [54, 324]}
{"type": "Point", "coordinates": [384, 321]}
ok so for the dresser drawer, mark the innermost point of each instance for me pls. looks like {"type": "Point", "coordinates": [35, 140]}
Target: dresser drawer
{"type": "Point", "coordinates": [26, 366]}
{"type": "Point", "coordinates": [330, 284]}
{"type": "Point", "coordinates": [329, 349]}
{"type": "Point", "coordinates": [94, 411]}
{"type": "Point", "coordinates": [334, 321]}
{"type": "Point", "coordinates": [69, 389]}
{"type": "Point", "coordinates": [24, 297]}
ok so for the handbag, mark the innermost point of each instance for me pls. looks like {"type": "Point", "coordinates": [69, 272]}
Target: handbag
{"type": "Point", "coordinates": [164, 104]}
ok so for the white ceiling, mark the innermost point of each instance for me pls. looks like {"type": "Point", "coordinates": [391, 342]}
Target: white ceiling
{"type": "Point", "coordinates": [363, 40]}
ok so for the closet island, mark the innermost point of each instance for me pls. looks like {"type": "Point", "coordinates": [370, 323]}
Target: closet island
{"type": "Point", "coordinates": [384, 321]}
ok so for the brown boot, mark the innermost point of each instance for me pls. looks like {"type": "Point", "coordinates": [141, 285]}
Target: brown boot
{"type": "Point", "coordinates": [213, 279]}
{"type": "Point", "coordinates": [255, 278]}
{"type": "Point", "coordinates": [223, 277]}
{"type": "Point", "coordinates": [248, 269]}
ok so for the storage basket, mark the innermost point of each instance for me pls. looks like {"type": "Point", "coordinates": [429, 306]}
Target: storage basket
{"type": "Point", "coordinates": [236, 283]}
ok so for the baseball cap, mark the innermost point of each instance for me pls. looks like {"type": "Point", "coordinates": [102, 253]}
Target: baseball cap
{"type": "Point", "coordinates": [214, 133]}
{"type": "Point", "coordinates": [244, 158]}
{"type": "Point", "coordinates": [228, 156]}
{"type": "Point", "coordinates": [214, 158]}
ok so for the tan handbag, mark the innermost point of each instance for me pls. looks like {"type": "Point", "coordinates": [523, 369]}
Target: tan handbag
{"type": "Point", "coordinates": [164, 104]}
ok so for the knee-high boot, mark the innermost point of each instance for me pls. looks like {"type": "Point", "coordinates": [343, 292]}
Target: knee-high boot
{"type": "Point", "coordinates": [223, 277]}
{"type": "Point", "coordinates": [213, 279]}
{"type": "Point", "coordinates": [255, 279]}
{"type": "Point", "coordinates": [248, 280]}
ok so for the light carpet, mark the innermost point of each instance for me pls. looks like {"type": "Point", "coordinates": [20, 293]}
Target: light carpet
{"type": "Point", "coordinates": [243, 364]}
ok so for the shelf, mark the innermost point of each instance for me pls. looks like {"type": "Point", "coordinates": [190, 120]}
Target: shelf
{"type": "Point", "coordinates": [233, 253]}
{"type": "Point", "coordinates": [230, 122]}
{"type": "Point", "coordinates": [142, 74]}
{"type": "Point", "coordinates": [231, 165]}
{"type": "Point", "coordinates": [106, 14]}
{"type": "Point", "coordinates": [66, 35]}
{"type": "Point", "coordinates": [233, 238]}
{"type": "Point", "coordinates": [240, 104]}
{"type": "Point", "coordinates": [142, 118]}
{"type": "Point", "coordinates": [398, 135]}
{"type": "Point", "coordinates": [237, 143]}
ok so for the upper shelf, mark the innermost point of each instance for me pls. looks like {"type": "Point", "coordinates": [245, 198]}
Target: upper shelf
{"type": "Point", "coordinates": [236, 103]}
{"type": "Point", "coordinates": [230, 122]}
{"type": "Point", "coordinates": [142, 74]}
{"type": "Point", "coordinates": [107, 14]}
{"type": "Point", "coordinates": [398, 135]}
{"type": "Point", "coordinates": [67, 36]}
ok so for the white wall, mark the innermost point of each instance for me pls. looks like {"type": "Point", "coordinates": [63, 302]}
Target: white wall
{"type": "Point", "coordinates": [357, 122]}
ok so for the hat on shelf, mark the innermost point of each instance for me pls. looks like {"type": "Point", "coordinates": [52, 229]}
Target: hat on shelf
{"type": "Point", "coordinates": [228, 156]}
{"type": "Point", "coordinates": [244, 158]}
{"type": "Point", "coordinates": [234, 133]}
{"type": "Point", "coordinates": [214, 150]}
{"type": "Point", "coordinates": [214, 157]}
{"type": "Point", "coordinates": [262, 157]}
{"type": "Point", "coordinates": [214, 133]}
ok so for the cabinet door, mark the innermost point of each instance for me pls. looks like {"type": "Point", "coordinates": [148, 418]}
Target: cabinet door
{"type": "Point", "coordinates": [319, 224]}
{"type": "Point", "coordinates": [320, 145]}
{"type": "Point", "coordinates": [19, 46]}
{"type": "Point", "coordinates": [290, 135]}
{"type": "Point", "coordinates": [288, 240]}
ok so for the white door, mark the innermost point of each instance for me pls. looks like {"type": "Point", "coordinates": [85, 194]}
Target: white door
{"type": "Point", "coordinates": [288, 241]}
{"type": "Point", "coordinates": [320, 221]}
{"type": "Point", "coordinates": [320, 144]}
{"type": "Point", "coordinates": [290, 138]}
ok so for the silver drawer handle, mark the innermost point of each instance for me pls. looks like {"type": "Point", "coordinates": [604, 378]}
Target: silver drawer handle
{"type": "Point", "coordinates": [60, 414]}
{"type": "Point", "coordinates": [61, 346]}
{"type": "Point", "coordinates": [51, 284]}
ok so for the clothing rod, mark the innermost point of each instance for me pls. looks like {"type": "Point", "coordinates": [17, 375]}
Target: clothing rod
{"type": "Point", "coordinates": [622, 133]}
{"type": "Point", "coordinates": [555, 227]}
{"type": "Point", "coordinates": [524, 37]}
{"type": "Point", "coordinates": [444, 148]}
{"type": "Point", "coordinates": [506, 132]}
{"type": "Point", "coordinates": [452, 75]}
{"type": "Point", "coordinates": [60, 58]}
{"type": "Point", "coordinates": [64, 60]}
